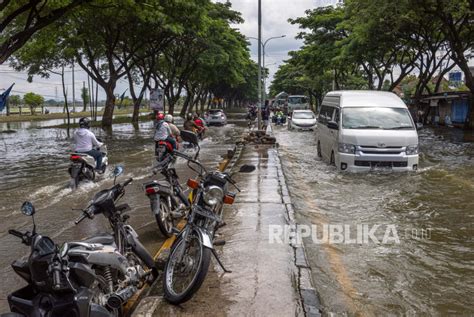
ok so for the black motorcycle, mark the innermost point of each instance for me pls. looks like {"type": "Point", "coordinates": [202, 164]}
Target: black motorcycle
{"type": "Point", "coordinates": [124, 236]}
{"type": "Point", "coordinates": [58, 285]}
{"type": "Point", "coordinates": [190, 255]}
{"type": "Point", "coordinates": [167, 199]}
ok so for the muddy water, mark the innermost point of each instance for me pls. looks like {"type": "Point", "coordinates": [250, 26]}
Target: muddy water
{"type": "Point", "coordinates": [34, 166]}
{"type": "Point", "coordinates": [431, 270]}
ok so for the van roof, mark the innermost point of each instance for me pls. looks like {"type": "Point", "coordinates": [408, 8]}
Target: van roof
{"type": "Point", "coordinates": [367, 98]}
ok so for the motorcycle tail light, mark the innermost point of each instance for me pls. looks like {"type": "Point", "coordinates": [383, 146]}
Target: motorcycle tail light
{"type": "Point", "coordinates": [75, 157]}
{"type": "Point", "coordinates": [229, 199]}
{"type": "Point", "coordinates": [150, 190]}
{"type": "Point", "coordinates": [192, 183]}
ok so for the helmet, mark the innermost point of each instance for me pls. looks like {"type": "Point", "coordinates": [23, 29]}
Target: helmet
{"type": "Point", "coordinates": [160, 116]}
{"type": "Point", "coordinates": [84, 123]}
{"type": "Point", "coordinates": [189, 116]}
{"type": "Point", "coordinates": [169, 118]}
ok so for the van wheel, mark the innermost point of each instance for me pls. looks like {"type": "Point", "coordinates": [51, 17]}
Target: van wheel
{"type": "Point", "coordinates": [320, 155]}
{"type": "Point", "coordinates": [332, 161]}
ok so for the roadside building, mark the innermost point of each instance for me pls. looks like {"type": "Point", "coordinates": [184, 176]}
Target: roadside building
{"type": "Point", "coordinates": [446, 108]}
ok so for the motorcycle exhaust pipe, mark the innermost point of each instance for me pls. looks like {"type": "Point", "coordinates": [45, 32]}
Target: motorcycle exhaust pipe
{"type": "Point", "coordinates": [116, 300]}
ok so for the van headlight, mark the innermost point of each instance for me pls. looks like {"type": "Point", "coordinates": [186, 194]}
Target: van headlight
{"type": "Point", "coordinates": [412, 149]}
{"type": "Point", "coordinates": [347, 148]}
{"type": "Point", "coordinates": [213, 195]}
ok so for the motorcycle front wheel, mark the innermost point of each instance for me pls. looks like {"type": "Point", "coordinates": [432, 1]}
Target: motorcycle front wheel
{"type": "Point", "coordinates": [183, 278]}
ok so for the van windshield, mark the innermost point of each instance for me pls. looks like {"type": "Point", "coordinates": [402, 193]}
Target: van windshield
{"type": "Point", "coordinates": [296, 100]}
{"type": "Point", "coordinates": [376, 118]}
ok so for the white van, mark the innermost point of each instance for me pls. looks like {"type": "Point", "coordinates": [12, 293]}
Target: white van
{"type": "Point", "coordinates": [365, 130]}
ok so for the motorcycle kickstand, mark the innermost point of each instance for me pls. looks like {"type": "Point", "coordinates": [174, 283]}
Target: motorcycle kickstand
{"type": "Point", "coordinates": [219, 261]}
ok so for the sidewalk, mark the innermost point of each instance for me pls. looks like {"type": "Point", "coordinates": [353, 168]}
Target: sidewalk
{"type": "Point", "coordinates": [265, 279]}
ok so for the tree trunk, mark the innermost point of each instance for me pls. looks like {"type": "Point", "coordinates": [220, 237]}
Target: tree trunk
{"type": "Point", "coordinates": [107, 117]}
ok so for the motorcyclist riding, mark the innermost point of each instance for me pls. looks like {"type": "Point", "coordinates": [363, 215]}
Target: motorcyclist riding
{"type": "Point", "coordinates": [190, 125]}
{"type": "Point", "coordinates": [86, 142]}
{"type": "Point", "coordinates": [174, 129]}
{"type": "Point", "coordinates": [163, 131]}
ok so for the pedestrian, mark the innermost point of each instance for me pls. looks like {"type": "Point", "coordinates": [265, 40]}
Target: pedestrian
{"type": "Point", "coordinates": [265, 116]}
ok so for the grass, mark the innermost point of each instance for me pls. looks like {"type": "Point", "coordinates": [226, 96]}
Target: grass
{"type": "Point", "coordinates": [60, 115]}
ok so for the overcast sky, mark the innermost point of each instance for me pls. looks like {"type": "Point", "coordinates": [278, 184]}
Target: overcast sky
{"type": "Point", "coordinates": [275, 15]}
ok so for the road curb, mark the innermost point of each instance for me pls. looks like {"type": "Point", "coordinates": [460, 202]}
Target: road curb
{"type": "Point", "coordinates": [306, 289]}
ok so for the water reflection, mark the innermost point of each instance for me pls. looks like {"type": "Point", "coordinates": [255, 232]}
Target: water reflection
{"type": "Point", "coordinates": [432, 276]}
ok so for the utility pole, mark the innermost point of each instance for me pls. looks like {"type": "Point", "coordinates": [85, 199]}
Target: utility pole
{"type": "Point", "coordinates": [259, 112]}
{"type": "Point", "coordinates": [73, 89]}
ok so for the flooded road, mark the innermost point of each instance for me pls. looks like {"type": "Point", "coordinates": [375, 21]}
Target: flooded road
{"type": "Point", "coordinates": [431, 270]}
{"type": "Point", "coordinates": [34, 166]}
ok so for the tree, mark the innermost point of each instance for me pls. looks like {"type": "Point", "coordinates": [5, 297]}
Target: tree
{"type": "Point", "coordinates": [21, 19]}
{"type": "Point", "coordinates": [33, 100]}
{"type": "Point", "coordinates": [456, 21]}
{"type": "Point", "coordinates": [13, 100]}
{"type": "Point", "coordinates": [84, 97]}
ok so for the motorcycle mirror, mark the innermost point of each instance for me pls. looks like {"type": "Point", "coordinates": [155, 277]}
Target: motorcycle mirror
{"type": "Point", "coordinates": [118, 170]}
{"type": "Point", "coordinates": [28, 209]}
{"type": "Point", "coordinates": [247, 168]}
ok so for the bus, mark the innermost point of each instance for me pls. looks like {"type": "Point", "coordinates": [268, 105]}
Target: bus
{"type": "Point", "coordinates": [297, 102]}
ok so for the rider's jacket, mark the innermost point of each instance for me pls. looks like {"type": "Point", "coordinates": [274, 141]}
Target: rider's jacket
{"type": "Point", "coordinates": [85, 140]}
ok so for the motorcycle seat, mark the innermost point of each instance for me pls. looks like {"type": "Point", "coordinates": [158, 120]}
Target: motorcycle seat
{"type": "Point", "coordinates": [102, 238]}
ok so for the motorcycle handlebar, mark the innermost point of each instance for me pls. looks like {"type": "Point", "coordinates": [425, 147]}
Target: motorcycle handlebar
{"type": "Point", "coordinates": [87, 213]}
{"type": "Point", "coordinates": [82, 217]}
{"type": "Point", "coordinates": [15, 233]}
{"type": "Point", "coordinates": [128, 181]}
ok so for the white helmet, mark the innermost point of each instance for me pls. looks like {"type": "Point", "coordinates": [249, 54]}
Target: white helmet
{"type": "Point", "coordinates": [169, 118]}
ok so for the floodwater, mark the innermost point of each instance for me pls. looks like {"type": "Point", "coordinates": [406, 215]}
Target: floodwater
{"type": "Point", "coordinates": [34, 165]}
{"type": "Point", "coordinates": [431, 270]}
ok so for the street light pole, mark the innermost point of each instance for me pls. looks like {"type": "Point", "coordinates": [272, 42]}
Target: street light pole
{"type": "Point", "coordinates": [259, 112]}
{"type": "Point", "coordinates": [262, 94]}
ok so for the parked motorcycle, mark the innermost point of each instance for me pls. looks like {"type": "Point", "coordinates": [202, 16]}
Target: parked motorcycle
{"type": "Point", "coordinates": [167, 199]}
{"type": "Point", "coordinates": [121, 262]}
{"type": "Point", "coordinates": [58, 284]}
{"type": "Point", "coordinates": [190, 255]}
{"type": "Point", "coordinates": [83, 166]}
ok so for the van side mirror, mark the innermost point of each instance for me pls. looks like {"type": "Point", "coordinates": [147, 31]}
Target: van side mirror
{"type": "Point", "coordinates": [333, 125]}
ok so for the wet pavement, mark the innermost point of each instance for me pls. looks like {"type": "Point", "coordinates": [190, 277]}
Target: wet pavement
{"type": "Point", "coordinates": [264, 275]}
{"type": "Point", "coordinates": [34, 166]}
{"type": "Point", "coordinates": [431, 270]}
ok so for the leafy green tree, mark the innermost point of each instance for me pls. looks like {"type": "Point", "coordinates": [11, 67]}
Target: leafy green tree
{"type": "Point", "coordinates": [33, 100]}
{"type": "Point", "coordinates": [21, 19]}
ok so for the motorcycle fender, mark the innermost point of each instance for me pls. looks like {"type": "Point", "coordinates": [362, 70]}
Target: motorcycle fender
{"type": "Point", "coordinates": [203, 235]}
{"type": "Point", "coordinates": [155, 204]}
{"type": "Point", "coordinates": [75, 170]}
{"type": "Point", "coordinates": [138, 248]}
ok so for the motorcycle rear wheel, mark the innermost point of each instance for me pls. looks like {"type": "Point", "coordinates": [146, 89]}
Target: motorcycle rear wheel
{"type": "Point", "coordinates": [163, 218]}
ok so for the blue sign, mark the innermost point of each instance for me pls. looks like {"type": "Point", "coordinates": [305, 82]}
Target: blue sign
{"type": "Point", "coordinates": [455, 76]}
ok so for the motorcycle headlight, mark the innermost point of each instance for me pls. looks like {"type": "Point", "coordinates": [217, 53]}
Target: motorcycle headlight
{"type": "Point", "coordinates": [213, 195]}
{"type": "Point", "coordinates": [347, 148]}
{"type": "Point", "coordinates": [412, 149]}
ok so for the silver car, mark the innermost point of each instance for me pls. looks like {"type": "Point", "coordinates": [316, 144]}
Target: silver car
{"type": "Point", "coordinates": [302, 120]}
{"type": "Point", "coordinates": [215, 116]}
